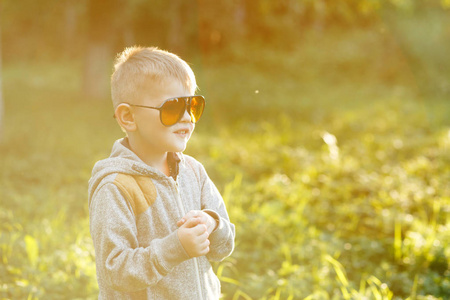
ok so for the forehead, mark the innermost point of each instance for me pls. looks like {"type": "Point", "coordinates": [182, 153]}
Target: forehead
{"type": "Point", "coordinates": [156, 92]}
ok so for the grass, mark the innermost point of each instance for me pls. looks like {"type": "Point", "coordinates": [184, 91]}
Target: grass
{"type": "Point", "coordinates": [333, 165]}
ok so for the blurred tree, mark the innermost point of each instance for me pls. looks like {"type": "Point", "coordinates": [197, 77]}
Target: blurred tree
{"type": "Point", "coordinates": [176, 36]}
{"type": "Point", "coordinates": [72, 13]}
{"type": "Point", "coordinates": [1, 86]}
{"type": "Point", "coordinates": [218, 27]}
{"type": "Point", "coordinates": [102, 18]}
{"type": "Point", "coordinates": [38, 29]}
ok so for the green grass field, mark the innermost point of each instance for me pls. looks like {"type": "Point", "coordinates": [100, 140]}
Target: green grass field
{"type": "Point", "coordinates": [333, 161]}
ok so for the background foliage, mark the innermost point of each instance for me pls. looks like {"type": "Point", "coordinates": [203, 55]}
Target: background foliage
{"type": "Point", "coordinates": [327, 131]}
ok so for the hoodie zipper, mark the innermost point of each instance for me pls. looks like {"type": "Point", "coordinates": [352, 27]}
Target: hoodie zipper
{"type": "Point", "coordinates": [196, 263]}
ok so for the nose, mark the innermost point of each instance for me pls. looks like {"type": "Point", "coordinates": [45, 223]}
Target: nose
{"type": "Point", "coordinates": [186, 117]}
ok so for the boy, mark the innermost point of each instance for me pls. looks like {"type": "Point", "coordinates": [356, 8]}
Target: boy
{"type": "Point", "coordinates": [156, 218]}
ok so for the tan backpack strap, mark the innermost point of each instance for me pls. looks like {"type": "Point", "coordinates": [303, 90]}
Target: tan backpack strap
{"type": "Point", "coordinates": [139, 191]}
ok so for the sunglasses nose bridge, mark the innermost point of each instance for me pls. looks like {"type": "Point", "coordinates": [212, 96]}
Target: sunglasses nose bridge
{"type": "Point", "coordinates": [188, 105]}
{"type": "Point", "coordinates": [187, 111]}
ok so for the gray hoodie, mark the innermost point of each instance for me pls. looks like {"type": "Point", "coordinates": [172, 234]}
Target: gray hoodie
{"type": "Point", "coordinates": [133, 211]}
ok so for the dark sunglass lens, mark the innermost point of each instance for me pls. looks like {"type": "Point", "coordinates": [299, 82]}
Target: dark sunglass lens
{"type": "Point", "coordinates": [172, 111]}
{"type": "Point", "coordinates": [197, 106]}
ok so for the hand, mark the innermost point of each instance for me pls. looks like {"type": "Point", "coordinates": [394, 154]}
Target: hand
{"type": "Point", "coordinates": [204, 218]}
{"type": "Point", "coordinates": [194, 237]}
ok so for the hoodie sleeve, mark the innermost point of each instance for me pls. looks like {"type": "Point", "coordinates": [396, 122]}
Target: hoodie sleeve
{"type": "Point", "coordinates": [124, 265]}
{"type": "Point", "coordinates": [222, 238]}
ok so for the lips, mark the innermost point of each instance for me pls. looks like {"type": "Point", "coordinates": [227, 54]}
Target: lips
{"type": "Point", "coordinates": [183, 131]}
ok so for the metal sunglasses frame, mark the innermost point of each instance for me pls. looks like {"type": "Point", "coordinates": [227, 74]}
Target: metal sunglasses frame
{"type": "Point", "coordinates": [187, 106]}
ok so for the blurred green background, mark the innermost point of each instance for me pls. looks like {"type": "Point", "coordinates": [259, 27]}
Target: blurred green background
{"type": "Point", "coordinates": [327, 130]}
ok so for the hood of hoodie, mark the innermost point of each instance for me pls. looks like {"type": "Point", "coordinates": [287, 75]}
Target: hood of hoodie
{"type": "Point", "coordinates": [122, 160]}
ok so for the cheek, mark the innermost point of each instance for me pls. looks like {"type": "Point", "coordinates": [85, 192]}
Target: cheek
{"type": "Point", "coordinates": [158, 129]}
{"type": "Point", "coordinates": [149, 121]}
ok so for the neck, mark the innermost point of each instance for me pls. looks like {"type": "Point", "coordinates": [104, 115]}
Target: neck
{"type": "Point", "coordinates": [155, 160]}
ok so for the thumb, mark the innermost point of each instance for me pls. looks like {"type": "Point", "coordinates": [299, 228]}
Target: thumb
{"type": "Point", "coordinates": [192, 222]}
{"type": "Point", "coordinates": [181, 222]}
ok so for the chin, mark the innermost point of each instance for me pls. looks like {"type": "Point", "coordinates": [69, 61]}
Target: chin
{"type": "Point", "coordinates": [178, 148]}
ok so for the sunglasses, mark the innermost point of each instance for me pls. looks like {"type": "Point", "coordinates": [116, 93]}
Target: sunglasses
{"type": "Point", "coordinates": [172, 110]}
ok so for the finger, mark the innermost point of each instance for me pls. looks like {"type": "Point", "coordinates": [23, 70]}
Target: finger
{"type": "Point", "coordinates": [204, 251]}
{"type": "Point", "coordinates": [203, 247]}
{"type": "Point", "coordinates": [204, 218]}
{"type": "Point", "coordinates": [200, 229]}
{"type": "Point", "coordinates": [191, 214]}
{"type": "Point", "coordinates": [181, 221]}
{"type": "Point", "coordinates": [205, 244]}
{"type": "Point", "coordinates": [193, 222]}
{"type": "Point", "coordinates": [201, 239]}
{"type": "Point", "coordinates": [204, 236]}
{"type": "Point", "coordinates": [186, 217]}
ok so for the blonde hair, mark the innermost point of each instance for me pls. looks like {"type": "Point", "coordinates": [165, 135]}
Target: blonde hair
{"type": "Point", "coordinates": [137, 67]}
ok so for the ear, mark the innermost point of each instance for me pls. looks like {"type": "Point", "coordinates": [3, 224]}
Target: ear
{"type": "Point", "coordinates": [125, 117]}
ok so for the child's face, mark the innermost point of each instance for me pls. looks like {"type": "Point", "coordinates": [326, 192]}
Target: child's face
{"type": "Point", "coordinates": [151, 135]}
